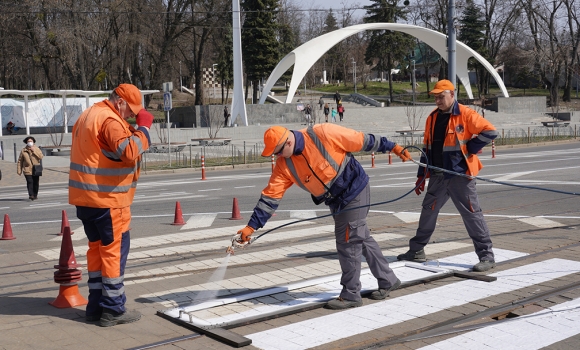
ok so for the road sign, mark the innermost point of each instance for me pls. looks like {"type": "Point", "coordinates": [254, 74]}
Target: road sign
{"type": "Point", "coordinates": [167, 103]}
{"type": "Point", "coordinates": [167, 87]}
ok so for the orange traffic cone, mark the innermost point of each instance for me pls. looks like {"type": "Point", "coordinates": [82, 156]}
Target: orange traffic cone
{"type": "Point", "coordinates": [67, 275]}
{"type": "Point", "coordinates": [64, 223]}
{"type": "Point", "coordinates": [236, 211]}
{"type": "Point", "coordinates": [7, 229]}
{"type": "Point", "coordinates": [178, 220]}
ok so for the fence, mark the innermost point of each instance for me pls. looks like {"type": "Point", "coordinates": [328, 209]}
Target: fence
{"type": "Point", "coordinates": [189, 156]}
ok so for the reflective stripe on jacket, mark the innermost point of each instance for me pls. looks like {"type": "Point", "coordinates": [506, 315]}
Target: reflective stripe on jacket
{"type": "Point", "coordinates": [324, 150]}
{"type": "Point", "coordinates": [467, 133]}
{"type": "Point", "coordinates": [105, 158]}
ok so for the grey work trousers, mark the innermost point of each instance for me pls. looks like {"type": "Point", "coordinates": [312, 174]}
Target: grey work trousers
{"type": "Point", "coordinates": [353, 239]}
{"type": "Point", "coordinates": [462, 192]}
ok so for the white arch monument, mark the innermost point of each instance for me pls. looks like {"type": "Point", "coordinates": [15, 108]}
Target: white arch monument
{"type": "Point", "coordinates": [304, 56]}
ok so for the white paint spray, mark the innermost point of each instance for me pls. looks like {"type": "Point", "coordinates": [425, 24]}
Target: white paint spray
{"type": "Point", "coordinates": [217, 276]}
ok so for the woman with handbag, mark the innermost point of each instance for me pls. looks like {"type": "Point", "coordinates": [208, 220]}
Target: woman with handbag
{"type": "Point", "coordinates": [29, 164]}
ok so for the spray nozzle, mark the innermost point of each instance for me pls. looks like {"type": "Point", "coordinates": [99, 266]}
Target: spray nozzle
{"type": "Point", "coordinates": [236, 243]}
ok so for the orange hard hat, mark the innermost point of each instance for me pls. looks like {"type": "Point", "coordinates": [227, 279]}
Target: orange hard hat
{"type": "Point", "coordinates": [274, 137]}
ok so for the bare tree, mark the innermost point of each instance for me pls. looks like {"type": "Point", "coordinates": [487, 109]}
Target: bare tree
{"type": "Point", "coordinates": [211, 117]}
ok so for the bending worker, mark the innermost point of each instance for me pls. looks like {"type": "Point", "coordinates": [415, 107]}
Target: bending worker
{"type": "Point", "coordinates": [104, 169]}
{"type": "Point", "coordinates": [318, 160]}
{"type": "Point", "coordinates": [454, 134]}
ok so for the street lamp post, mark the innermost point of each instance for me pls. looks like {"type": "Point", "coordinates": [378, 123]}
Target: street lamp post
{"type": "Point", "coordinates": [354, 74]}
{"type": "Point", "coordinates": [213, 82]}
{"type": "Point", "coordinates": [413, 81]}
{"type": "Point", "coordinates": [180, 81]}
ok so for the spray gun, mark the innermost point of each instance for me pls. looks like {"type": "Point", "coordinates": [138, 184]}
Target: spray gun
{"type": "Point", "coordinates": [236, 243]}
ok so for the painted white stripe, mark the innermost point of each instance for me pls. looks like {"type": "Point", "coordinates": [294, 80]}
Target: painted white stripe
{"type": "Point", "coordinates": [211, 189]}
{"type": "Point", "coordinates": [530, 332]}
{"type": "Point", "coordinates": [513, 175]}
{"type": "Point", "coordinates": [281, 277]}
{"type": "Point", "coordinates": [205, 246]}
{"type": "Point", "coordinates": [408, 217]}
{"type": "Point", "coordinates": [541, 222]}
{"type": "Point", "coordinates": [340, 325]}
{"type": "Point", "coordinates": [305, 291]}
{"type": "Point", "coordinates": [199, 220]}
{"type": "Point", "coordinates": [79, 233]}
{"type": "Point", "coordinates": [244, 186]}
{"type": "Point", "coordinates": [302, 214]}
{"type": "Point", "coordinates": [144, 242]}
{"type": "Point", "coordinates": [164, 198]}
{"type": "Point", "coordinates": [34, 206]}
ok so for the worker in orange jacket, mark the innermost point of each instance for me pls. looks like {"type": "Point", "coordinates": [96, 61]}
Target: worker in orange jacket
{"type": "Point", "coordinates": [454, 134]}
{"type": "Point", "coordinates": [104, 169]}
{"type": "Point", "coordinates": [319, 160]}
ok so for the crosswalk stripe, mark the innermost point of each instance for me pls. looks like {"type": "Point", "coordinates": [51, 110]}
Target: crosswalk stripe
{"type": "Point", "coordinates": [408, 217]}
{"type": "Point", "coordinates": [303, 214]}
{"type": "Point", "coordinates": [534, 331]}
{"type": "Point", "coordinates": [283, 276]}
{"type": "Point", "coordinates": [541, 222]}
{"type": "Point", "coordinates": [199, 220]}
{"type": "Point", "coordinates": [256, 257]}
{"type": "Point", "coordinates": [51, 254]}
{"type": "Point", "coordinates": [79, 233]}
{"type": "Point", "coordinates": [340, 325]}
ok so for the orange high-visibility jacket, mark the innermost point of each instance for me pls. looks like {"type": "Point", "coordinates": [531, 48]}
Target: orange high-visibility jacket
{"type": "Point", "coordinates": [105, 158]}
{"type": "Point", "coordinates": [467, 133]}
{"type": "Point", "coordinates": [326, 150]}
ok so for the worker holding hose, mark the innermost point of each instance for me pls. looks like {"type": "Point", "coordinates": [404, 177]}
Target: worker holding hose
{"type": "Point", "coordinates": [319, 160]}
{"type": "Point", "coordinates": [454, 134]}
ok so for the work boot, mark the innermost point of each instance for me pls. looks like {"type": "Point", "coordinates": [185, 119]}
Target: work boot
{"type": "Point", "coordinates": [341, 304]}
{"type": "Point", "coordinates": [418, 256]}
{"type": "Point", "coordinates": [383, 293]}
{"type": "Point", "coordinates": [93, 318]}
{"type": "Point", "coordinates": [108, 319]}
{"type": "Point", "coordinates": [484, 265]}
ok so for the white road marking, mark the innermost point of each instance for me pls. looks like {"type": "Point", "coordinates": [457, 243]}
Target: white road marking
{"type": "Point", "coordinates": [541, 222]}
{"type": "Point", "coordinates": [512, 176]}
{"type": "Point", "coordinates": [302, 291]}
{"type": "Point", "coordinates": [167, 198]}
{"type": "Point", "coordinates": [530, 332]}
{"type": "Point", "coordinates": [408, 217]}
{"type": "Point", "coordinates": [53, 204]}
{"type": "Point", "coordinates": [79, 233]}
{"type": "Point", "coordinates": [340, 325]}
{"type": "Point", "coordinates": [199, 220]}
{"type": "Point", "coordinates": [211, 189]}
{"type": "Point", "coordinates": [244, 186]}
{"type": "Point", "coordinates": [51, 254]}
{"type": "Point", "coordinates": [302, 214]}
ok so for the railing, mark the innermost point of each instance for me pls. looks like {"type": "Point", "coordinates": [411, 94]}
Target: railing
{"type": "Point", "coordinates": [220, 155]}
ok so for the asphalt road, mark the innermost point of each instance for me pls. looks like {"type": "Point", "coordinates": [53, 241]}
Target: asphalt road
{"type": "Point", "coordinates": [548, 167]}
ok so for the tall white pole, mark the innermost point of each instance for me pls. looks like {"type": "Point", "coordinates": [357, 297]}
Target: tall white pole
{"type": "Point", "coordinates": [238, 109]}
{"type": "Point", "coordinates": [451, 45]}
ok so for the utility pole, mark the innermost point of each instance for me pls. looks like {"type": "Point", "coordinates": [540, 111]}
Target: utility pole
{"type": "Point", "coordinates": [354, 73]}
{"type": "Point", "coordinates": [413, 82]}
{"type": "Point", "coordinates": [180, 81]}
{"type": "Point", "coordinates": [451, 44]}
{"type": "Point", "coordinates": [213, 78]}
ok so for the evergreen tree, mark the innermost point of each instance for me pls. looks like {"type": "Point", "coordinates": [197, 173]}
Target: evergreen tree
{"type": "Point", "coordinates": [472, 34]}
{"type": "Point", "coordinates": [225, 64]}
{"type": "Point", "coordinates": [332, 57]}
{"type": "Point", "coordinates": [388, 47]}
{"type": "Point", "coordinates": [260, 46]}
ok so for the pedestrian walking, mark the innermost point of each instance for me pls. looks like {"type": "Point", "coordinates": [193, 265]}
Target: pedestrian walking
{"type": "Point", "coordinates": [337, 98]}
{"type": "Point", "coordinates": [28, 164]}
{"type": "Point", "coordinates": [333, 114]}
{"type": "Point", "coordinates": [226, 115]}
{"type": "Point", "coordinates": [454, 133]}
{"type": "Point", "coordinates": [318, 159]}
{"type": "Point", "coordinates": [104, 168]}
{"type": "Point", "coordinates": [321, 102]}
{"type": "Point", "coordinates": [326, 112]}
{"type": "Point", "coordinates": [308, 114]}
{"type": "Point", "coordinates": [341, 111]}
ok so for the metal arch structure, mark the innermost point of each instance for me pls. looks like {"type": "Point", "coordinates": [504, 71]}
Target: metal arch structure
{"type": "Point", "coordinates": [304, 56]}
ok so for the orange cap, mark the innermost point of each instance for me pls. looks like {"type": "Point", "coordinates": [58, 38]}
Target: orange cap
{"type": "Point", "coordinates": [441, 86]}
{"type": "Point", "coordinates": [274, 137]}
{"type": "Point", "coordinates": [132, 95]}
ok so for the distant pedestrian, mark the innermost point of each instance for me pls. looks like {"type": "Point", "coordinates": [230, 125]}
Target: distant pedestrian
{"type": "Point", "coordinates": [337, 98]}
{"type": "Point", "coordinates": [226, 115]}
{"type": "Point", "coordinates": [308, 114]}
{"type": "Point", "coordinates": [333, 114]}
{"type": "Point", "coordinates": [340, 111]}
{"type": "Point", "coordinates": [29, 157]}
{"type": "Point", "coordinates": [321, 102]}
{"type": "Point", "coordinates": [326, 111]}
